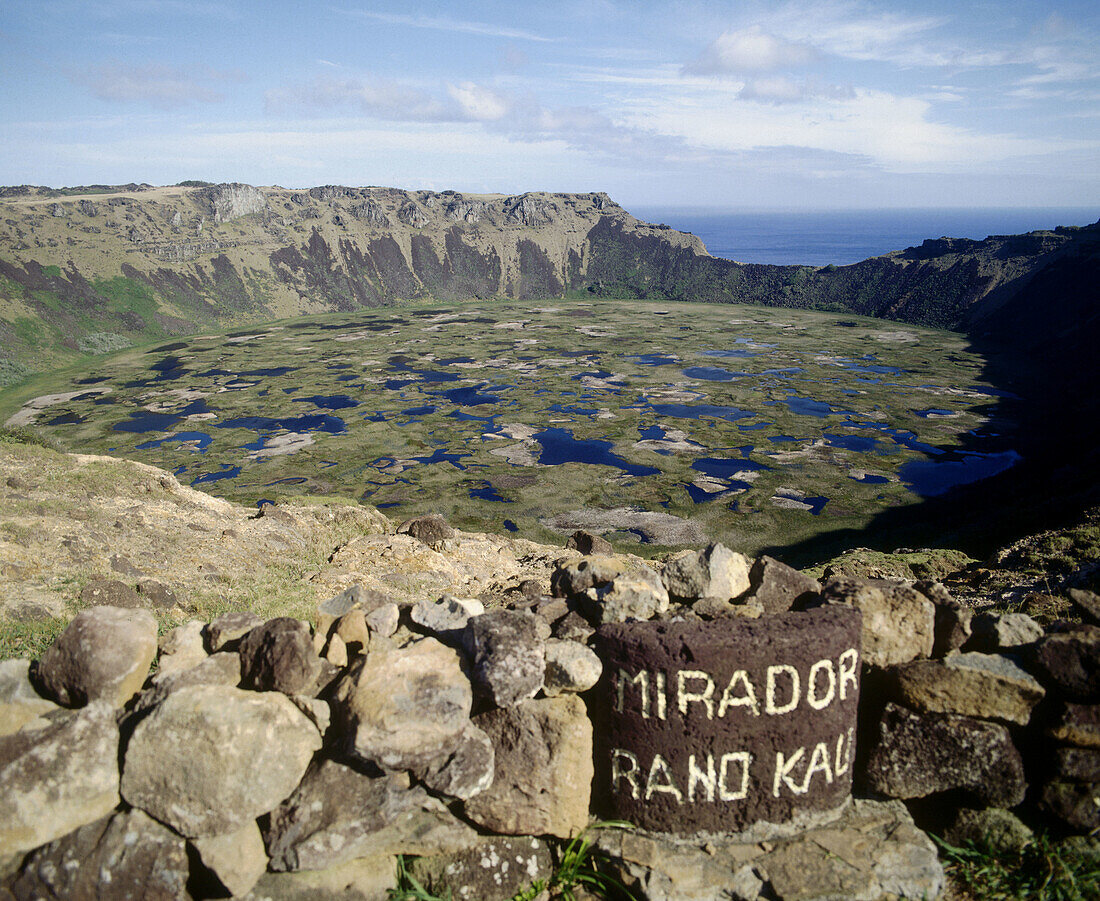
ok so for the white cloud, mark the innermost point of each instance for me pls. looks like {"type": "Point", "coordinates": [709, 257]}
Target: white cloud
{"type": "Point", "coordinates": [377, 97]}
{"type": "Point", "coordinates": [479, 103]}
{"type": "Point", "coordinates": [782, 89]}
{"type": "Point", "coordinates": [442, 23]}
{"type": "Point", "coordinates": [894, 133]}
{"type": "Point", "coordinates": [749, 50]}
{"type": "Point", "coordinates": [161, 86]}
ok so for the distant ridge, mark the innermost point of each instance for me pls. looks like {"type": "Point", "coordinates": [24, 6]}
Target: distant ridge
{"type": "Point", "coordinates": [94, 268]}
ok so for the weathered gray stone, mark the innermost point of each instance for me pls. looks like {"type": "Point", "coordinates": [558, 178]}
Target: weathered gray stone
{"type": "Point", "coordinates": [317, 711]}
{"type": "Point", "coordinates": [497, 868]}
{"type": "Point", "coordinates": [432, 529]}
{"type": "Point", "coordinates": [953, 628]}
{"type": "Point", "coordinates": [872, 852]}
{"type": "Point", "coordinates": [103, 655]}
{"type": "Point", "coordinates": [993, 632]}
{"type": "Point", "coordinates": [158, 595]}
{"type": "Point", "coordinates": [226, 631]}
{"type": "Point", "coordinates": [578, 578]}
{"type": "Point", "coordinates": [898, 621]}
{"type": "Point", "coordinates": [988, 686]}
{"type": "Point", "coordinates": [714, 572]}
{"type": "Point", "coordinates": [362, 879]}
{"type": "Point", "coordinates": [544, 770]}
{"type": "Point", "coordinates": [279, 656]}
{"type": "Point", "coordinates": [1079, 725]}
{"type": "Point", "coordinates": [446, 614]}
{"type": "Point", "coordinates": [916, 755]}
{"type": "Point", "coordinates": [210, 758]}
{"type": "Point", "coordinates": [716, 608]}
{"type": "Point", "coordinates": [1077, 764]}
{"type": "Point", "coordinates": [1075, 804]}
{"type": "Point", "coordinates": [125, 857]}
{"type": "Point", "coordinates": [222, 668]}
{"type": "Point", "coordinates": [59, 777]}
{"type": "Point", "coordinates": [182, 647]}
{"type": "Point", "coordinates": [636, 595]}
{"type": "Point", "coordinates": [19, 702]}
{"type": "Point", "coordinates": [884, 856]}
{"type": "Point", "coordinates": [337, 814]}
{"type": "Point", "coordinates": [469, 769]}
{"type": "Point", "coordinates": [1087, 603]}
{"type": "Point", "coordinates": [355, 597]}
{"type": "Point", "coordinates": [506, 654]}
{"type": "Point", "coordinates": [778, 587]}
{"type": "Point", "coordinates": [336, 652]}
{"type": "Point", "coordinates": [237, 858]}
{"type": "Point", "coordinates": [570, 667]}
{"type": "Point", "coordinates": [993, 828]}
{"type": "Point", "coordinates": [1069, 662]}
{"type": "Point", "coordinates": [573, 627]}
{"type": "Point", "coordinates": [110, 593]}
{"type": "Point", "coordinates": [588, 543]}
{"type": "Point", "coordinates": [353, 630]}
{"type": "Point", "coordinates": [405, 708]}
{"type": "Point", "coordinates": [383, 621]}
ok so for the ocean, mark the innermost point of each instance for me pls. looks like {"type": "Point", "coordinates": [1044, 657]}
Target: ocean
{"type": "Point", "coordinates": [847, 236]}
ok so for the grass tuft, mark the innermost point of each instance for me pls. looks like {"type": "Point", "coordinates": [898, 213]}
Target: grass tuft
{"type": "Point", "coordinates": [1046, 870]}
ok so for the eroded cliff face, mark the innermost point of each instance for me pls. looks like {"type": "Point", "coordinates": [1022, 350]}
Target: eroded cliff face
{"type": "Point", "coordinates": [91, 270]}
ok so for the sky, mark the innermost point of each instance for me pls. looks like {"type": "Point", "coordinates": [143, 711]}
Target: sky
{"type": "Point", "coordinates": [829, 104]}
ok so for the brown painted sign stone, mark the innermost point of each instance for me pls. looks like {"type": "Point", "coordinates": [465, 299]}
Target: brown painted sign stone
{"type": "Point", "coordinates": [728, 726]}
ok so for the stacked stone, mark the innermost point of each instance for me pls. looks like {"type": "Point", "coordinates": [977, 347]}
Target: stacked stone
{"type": "Point", "coordinates": [959, 705]}
{"type": "Point", "coordinates": [269, 758]}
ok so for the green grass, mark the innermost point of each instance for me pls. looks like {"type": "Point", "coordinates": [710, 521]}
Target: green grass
{"type": "Point", "coordinates": [1045, 870]}
{"type": "Point", "coordinates": [28, 640]}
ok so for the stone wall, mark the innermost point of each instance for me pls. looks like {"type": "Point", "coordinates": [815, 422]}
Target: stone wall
{"type": "Point", "coordinates": [281, 759]}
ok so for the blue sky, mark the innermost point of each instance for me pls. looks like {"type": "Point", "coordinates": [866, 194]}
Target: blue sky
{"type": "Point", "coordinates": [738, 105]}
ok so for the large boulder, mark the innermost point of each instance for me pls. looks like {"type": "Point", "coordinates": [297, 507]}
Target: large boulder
{"type": "Point", "coordinates": [915, 755]}
{"type": "Point", "coordinates": [1078, 724]}
{"type": "Point", "coordinates": [993, 632]}
{"type": "Point", "coordinates": [446, 614]}
{"type": "Point", "coordinates": [125, 857]}
{"type": "Point", "coordinates": [182, 648]}
{"type": "Point", "coordinates": [223, 668]}
{"type": "Point", "coordinates": [224, 633]}
{"type": "Point", "coordinates": [237, 858]}
{"type": "Point", "coordinates": [1075, 804]}
{"type": "Point", "coordinates": [898, 621]}
{"type": "Point", "coordinates": [211, 758]}
{"type": "Point", "coordinates": [571, 667]}
{"type": "Point", "coordinates": [714, 572]}
{"type": "Point", "coordinates": [405, 708]}
{"type": "Point", "coordinates": [103, 655]}
{"type": "Point", "coordinates": [544, 769]}
{"type": "Point", "coordinates": [19, 702]}
{"type": "Point", "coordinates": [506, 654]}
{"type": "Point", "coordinates": [497, 868]}
{"type": "Point", "coordinates": [58, 778]}
{"type": "Point", "coordinates": [338, 814]}
{"type": "Point", "coordinates": [469, 769]}
{"type": "Point", "coordinates": [988, 686]}
{"type": "Point", "coordinates": [1069, 663]}
{"type": "Point", "coordinates": [279, 656]}
{"type": "Point", "coordinates": [779, 588]}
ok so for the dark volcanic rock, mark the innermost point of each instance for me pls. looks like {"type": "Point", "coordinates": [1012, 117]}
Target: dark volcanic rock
{"type": "Point", "coordinates": [1077, 764]}
{"type": "Point", "coordinates": [916, 755]}
{"type": "Point", "coordinates": [587, 543]}
{"type": "Point", "coordinates": [226, 631]}
{"type": "Point", "coordinates": [1078, 724]}
{"type": "Point", "coordinates": [1076, 804]}
{"type": "Point", "coordinates": [125, 857]}
{"type": "Point", "coordinates": [779, 587]}
{"type": "Point", "coordinates": [717, 727]}
{"type": "Point", "coordinates": [431, 529]}
{"type": "Point", "coordinates": [110, 593]}
{"type": "Point", "coordinates": [1069, 662]}
{"type": "Point", "coordinates": [506, 654]}
{"type": "Point", "coordinates": [279, 656]}
{"type": "Point", "coordinates": [497, 868]}
{"type": "Point", "coordinates": [337, 814]}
